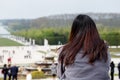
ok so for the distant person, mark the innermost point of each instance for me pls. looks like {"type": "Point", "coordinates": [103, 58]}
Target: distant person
{"type": "Point", "coordinates": [5, 71]}
{"type": "Point", "coordinates": [112, 65]}
{"type": "Point", "coordinates": [9, 72]}
{"type": "Point", "coordinates": [9, 60]}
{"type": "Point", "coordinates": [85, 56]}
{"type": "Point", "coordinates": [13, 52]}
{"type": "Point", "coordinates": [14, 72]}
{"type": "Point", "coordinates": [1, 58]}
{"type": "Point", "coordinates": [53, 68]}
{"type": "Point", "coordinates": [29, 75]}
{"type": "Point", "coordinates": [119, 70]}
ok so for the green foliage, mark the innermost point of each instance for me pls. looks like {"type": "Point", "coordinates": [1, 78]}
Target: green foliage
{"type": "Point", "coordinates": [112, 35]}
{"type": "Point", "coordinates": [56, 28]}
{"type": "Point", "coordinates": [54, 35]}
{"type": "Point", "coordinates": [37, 75]}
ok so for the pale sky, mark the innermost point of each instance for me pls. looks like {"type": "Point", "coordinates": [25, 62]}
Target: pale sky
{"type": "Point", "coordinates": [26, 9]}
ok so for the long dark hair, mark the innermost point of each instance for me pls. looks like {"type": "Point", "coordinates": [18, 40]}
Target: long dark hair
{"type": "Point", "coordinates": [84, 36]}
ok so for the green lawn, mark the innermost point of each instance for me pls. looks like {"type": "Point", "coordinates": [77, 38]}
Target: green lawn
{"type": "Point", "coordinates": [114, 56]}
{"type": "Point", "coordinates": [7, 42]}
{"type": "Point", "coordinates": [114, 49]}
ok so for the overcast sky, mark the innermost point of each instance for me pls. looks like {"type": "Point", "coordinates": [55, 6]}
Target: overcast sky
{"type": "Point", "coordinates": [11, 9]}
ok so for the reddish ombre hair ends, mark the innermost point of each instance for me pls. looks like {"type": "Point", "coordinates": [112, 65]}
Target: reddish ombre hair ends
{"type": "Point", "coordinates": [84, 36]}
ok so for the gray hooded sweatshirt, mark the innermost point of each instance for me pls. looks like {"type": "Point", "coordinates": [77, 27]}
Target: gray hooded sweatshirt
{"type": "Point", "coordinates": [82, 70]}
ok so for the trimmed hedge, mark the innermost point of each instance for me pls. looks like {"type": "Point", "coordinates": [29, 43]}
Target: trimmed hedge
{"type": "Point", "coordinates": [37, 74]}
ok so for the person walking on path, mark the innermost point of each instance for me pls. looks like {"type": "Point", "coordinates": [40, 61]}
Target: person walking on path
{"type": "Point", "coordinates": [14, 72]}
{"type": "Point", "coordinates": [85, 56]}
{"type": "Point", "coordinates": [119, 70]}
{"type": "Point", "coordinates": [9, 72]}
{"type": "Point", "coordinates": [112, 65]}
{"type": "Point", "coordinates": [5, 71]}
{"type": "Point", "coordinates": [9, 60]}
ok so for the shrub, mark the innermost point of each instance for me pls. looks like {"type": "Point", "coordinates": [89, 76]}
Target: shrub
{"type": "Point", "coordinates": [38, 74]}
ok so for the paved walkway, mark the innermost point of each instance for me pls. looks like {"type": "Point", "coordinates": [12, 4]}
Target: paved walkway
{"type": "Point", "coordinates": [115, 78]}
{"type": "Point", "coordinates": [46, 79]}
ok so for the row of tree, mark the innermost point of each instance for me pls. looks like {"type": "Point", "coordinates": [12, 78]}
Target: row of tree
{"type": "Point", "coordinates": [53, 35]}
{"type": "Point", "coordinates": [105, 19]}
{"type": "Point", "coordinates": [60, 35]}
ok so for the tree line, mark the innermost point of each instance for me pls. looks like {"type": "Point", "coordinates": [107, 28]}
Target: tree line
{"type": "Point", "coordinates": [104, 19]}
{"type": "Point", "coordinates": [60, 35]}
{"type": "Point", "coordinates": [53, 35]}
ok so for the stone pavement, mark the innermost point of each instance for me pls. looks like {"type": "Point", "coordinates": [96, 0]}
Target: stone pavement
{"type": "Point", "coordinates": [115, 78]}
{"type": "Point", "coordinates": [46, 79]}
